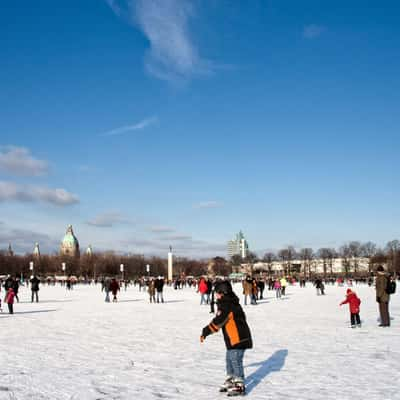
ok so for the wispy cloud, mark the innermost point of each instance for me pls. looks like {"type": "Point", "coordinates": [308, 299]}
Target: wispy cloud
{"type": "Point", "coordinates": [10, 191]}
{"type": "Point", "coordinates": [176, 238]}
{"type": "Point", "coordinates": [18, 161]}
{"type": "Point", "coordinates": [208, 204]}
{"type": "Point", "coordinates": [313, 31]}
{"type": "Point", "coordinates": [161, 229]}
{"type": "Point", "coordinates": [135, 127]}
{"type": "Point", "coordinates": [182, 246]}
{"type": "Point", "coordinates": [172, 55]}
{"type": "Point", "coordinates": [107, 220]}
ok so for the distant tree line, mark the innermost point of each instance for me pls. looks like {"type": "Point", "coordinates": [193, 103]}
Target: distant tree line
{"type": "Point", "coordinates": [98, 264]}
{"type": "Point", "coordinates": [350, 253]}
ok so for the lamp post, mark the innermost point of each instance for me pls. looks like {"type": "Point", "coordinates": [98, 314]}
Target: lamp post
{"type": "Point", "coordinates": [121, 268]}
{"type": "Point", "coordinates": [31, 266]}
{"type": "Point", "coordinates": [63, 266]}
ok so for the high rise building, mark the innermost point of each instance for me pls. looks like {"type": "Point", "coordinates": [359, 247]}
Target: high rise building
{"type": "Point", "coordinates": [238, 246]}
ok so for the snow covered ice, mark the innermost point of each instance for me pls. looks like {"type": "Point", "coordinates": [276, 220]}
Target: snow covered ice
{"type": "Point", "coordinates": [73, 345]}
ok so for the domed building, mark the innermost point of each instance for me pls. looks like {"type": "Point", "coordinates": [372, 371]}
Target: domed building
{"type": "Point", "coordinates": [69, 245]}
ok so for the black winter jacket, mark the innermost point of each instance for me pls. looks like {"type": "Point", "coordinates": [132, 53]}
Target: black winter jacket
{"type": "Point", "coordinates": [231, 318]}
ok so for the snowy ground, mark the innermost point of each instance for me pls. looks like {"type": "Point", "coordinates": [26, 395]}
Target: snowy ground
{"type": "Point", "coordinates": [73, 345]}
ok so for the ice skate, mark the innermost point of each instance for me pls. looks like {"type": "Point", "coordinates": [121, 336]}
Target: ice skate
{"type": "Point", "coordinates": [227, 384]}
{"type": "Point", "coordinates": [238, 388]}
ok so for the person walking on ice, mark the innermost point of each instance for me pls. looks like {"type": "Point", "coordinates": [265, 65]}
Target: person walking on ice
{"type": "Point", "coordinates": [354, 306]}
{"type": "Point", "coordinates": [10, 300]}
{"type": "Point", "coordinates": [232, 320]}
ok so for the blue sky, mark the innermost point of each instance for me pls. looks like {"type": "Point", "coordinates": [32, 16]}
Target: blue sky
{"type": "Point", "coordinates": [151, 123]}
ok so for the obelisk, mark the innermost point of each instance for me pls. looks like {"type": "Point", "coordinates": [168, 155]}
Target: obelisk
{"type": "Point", "coordinates": [170, 264]}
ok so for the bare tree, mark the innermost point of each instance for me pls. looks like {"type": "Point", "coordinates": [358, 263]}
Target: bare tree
{"type": "Point", "coordinates": [287, 255]}
{"type": "Point", "coordinates": [236, 259]}
{"type": "Point", "coordinates": [269, 258]}
{"type": "Point", "coordinates": [355, 252]}
{"type": "Point", "coordinates": [324, 254]}
{"type": "Point", "coordinates": [393, 252]}
{"type": "Point", "coordinates": [221, 266]}
{"type": "Point", "coordinates": [332, 254]}
{"type": "Point", "coordinates": [369, 250]}
{"type": "Point", "coordinates": [345, 253]}
{"type": "Point", "coordinates": [307, 256]}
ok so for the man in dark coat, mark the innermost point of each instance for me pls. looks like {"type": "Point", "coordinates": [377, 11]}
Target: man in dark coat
{"type": "Point", "coordinates": [159, 286]}
{"type": "Point", "coordinates": [382, 297]}
{"type": "Point", "coordinates": [35, 288]}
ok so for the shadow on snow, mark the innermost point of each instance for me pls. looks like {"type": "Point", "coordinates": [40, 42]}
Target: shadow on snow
{"type": "Point", "coordinates": [45, 301]}
{"type": "Point", "coordinates": [4, 314]}
{"type": "Point", "coordinates": [272, 364]}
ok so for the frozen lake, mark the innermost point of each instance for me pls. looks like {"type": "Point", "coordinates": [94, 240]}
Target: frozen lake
{"type": "Point", "coordinates": [73, 345]}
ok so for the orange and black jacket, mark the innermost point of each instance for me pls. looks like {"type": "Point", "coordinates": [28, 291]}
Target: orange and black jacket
{"type": "Point", "coordinates": [231, 318]}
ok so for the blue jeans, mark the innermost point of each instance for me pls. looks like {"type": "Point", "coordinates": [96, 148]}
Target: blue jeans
{"type": "Point", "coordinates": [234, 363]}
{"type": "Point", "coordinates": [203, 299]}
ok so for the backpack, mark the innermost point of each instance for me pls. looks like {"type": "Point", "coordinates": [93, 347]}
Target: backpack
{"type": "Point", "coordinates": [390, 286]}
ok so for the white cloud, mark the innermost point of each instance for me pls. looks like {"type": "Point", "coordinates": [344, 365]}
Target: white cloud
{"type": "Point", "coordinates": [208, 204]}
{"type": "Point", "coordinates": [172, 55]}
{"type": "Point", "coordinates": [18, 161]}
{"type": "Point", "coordinates": [135, 127]}
{"type": "Point", "coordinates": [10, 191]}
{"type": "Point", "coordinates": [312, 31]}
{"type": "Point", "coordinates": [23, 241]}
{"type": "Point", "coordinates": [107, 220]}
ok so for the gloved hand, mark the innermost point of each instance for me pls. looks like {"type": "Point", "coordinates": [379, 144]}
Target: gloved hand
{"type": "Point", "coordinates": [202, 339]}
{"type": "Point", "coordinates": [378, 299]}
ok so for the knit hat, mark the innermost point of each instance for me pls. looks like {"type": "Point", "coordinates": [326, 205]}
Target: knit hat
{"type": "Point", "coordinates": [223, 287]}
{"type": "Point", "coordinates": [348, 291]}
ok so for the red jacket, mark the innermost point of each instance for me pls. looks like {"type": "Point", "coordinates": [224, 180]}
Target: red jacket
{"type": "Point", "coordinates": [354, 302]}
{"type": "Point", "coordinates": [10, 296]}
{"type": "Point", "coordinates": [203, 286]}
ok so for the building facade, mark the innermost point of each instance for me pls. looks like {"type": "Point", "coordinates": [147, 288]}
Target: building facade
{"type": "Point", "coordinates": [238, 246]}
{"type": "Point", "coordinates": [308, 268]}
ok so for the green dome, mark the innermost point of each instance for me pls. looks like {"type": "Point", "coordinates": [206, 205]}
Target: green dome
{"type": "Point", "coordinates": [70, 244]}
{"type": "Point", "coordinates": [70, 239]}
